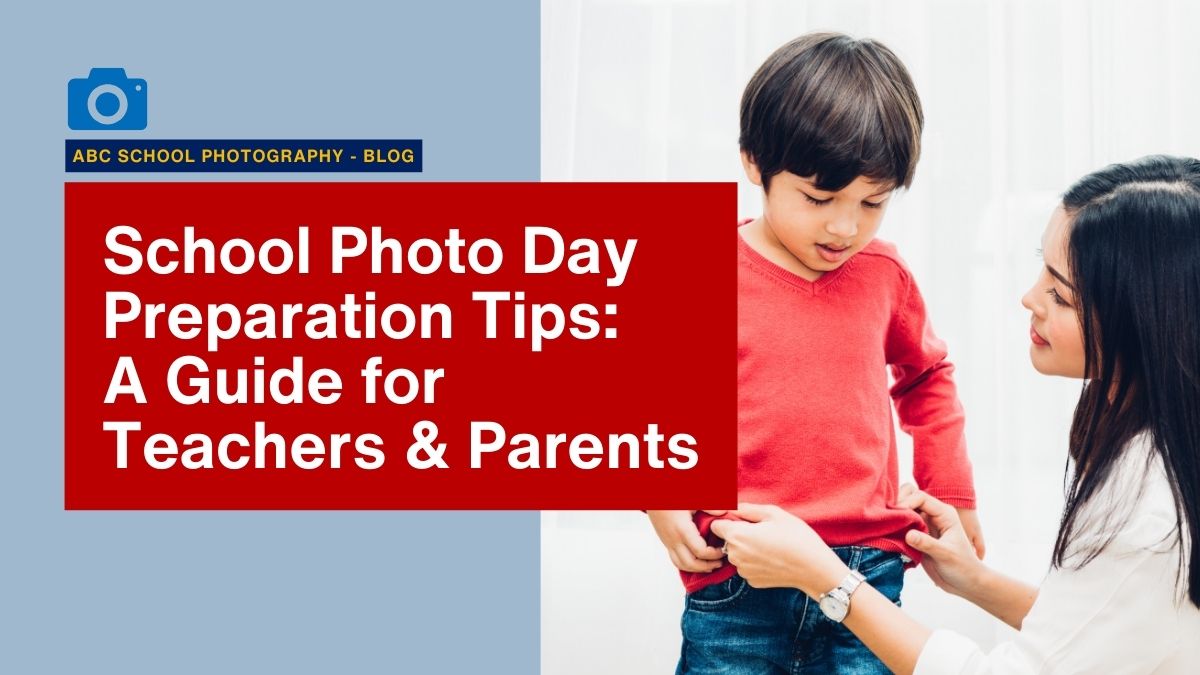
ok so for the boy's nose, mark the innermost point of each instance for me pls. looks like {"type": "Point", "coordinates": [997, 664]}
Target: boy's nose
{"type": "Point", "coordinates": [842, 227]}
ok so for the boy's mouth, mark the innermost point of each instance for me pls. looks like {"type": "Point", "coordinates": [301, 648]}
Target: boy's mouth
{"type": "Point", "coordinates": [830, 253]}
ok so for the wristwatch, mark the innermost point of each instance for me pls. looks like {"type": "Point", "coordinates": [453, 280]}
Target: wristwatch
{"type": "Point", "coordinates": [836, 603]}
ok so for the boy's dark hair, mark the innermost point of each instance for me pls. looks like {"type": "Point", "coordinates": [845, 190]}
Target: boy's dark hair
{"type": "Point", "coordinates": [830, 106]}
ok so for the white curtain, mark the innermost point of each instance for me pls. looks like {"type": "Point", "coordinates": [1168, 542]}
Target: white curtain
{"type": "Point", "coordinates": [1021, 98]}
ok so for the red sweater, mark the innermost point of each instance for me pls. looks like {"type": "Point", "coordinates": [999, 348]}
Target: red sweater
{"type": "Point", "coordinates": [815, 432]}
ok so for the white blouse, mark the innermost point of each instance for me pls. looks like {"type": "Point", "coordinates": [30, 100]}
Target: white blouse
{"type": "Point", "coordinates": [1124, 612]}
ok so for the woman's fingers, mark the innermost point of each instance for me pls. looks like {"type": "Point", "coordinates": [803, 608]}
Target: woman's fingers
{"type": "Point", "coordinates": [753, 512]}
{"type": "Point", "coordinates": [938, 515]}
{"type": "Point", "coordinates": [721, 528]}
{"type": "Point", "coordinates": [923, 542]}
{"type": "Point", "coordinates": [727, 529]}
{"type": "Point", "coordinates": [701, 550]}
{"type": "Point", "coordinates": [910, 497]}
{"type": "Point", "coordinates": [686, 561]}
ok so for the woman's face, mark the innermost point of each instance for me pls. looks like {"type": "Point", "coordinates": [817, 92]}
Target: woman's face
{"type": "Point", "coordinates": [1055, 333]}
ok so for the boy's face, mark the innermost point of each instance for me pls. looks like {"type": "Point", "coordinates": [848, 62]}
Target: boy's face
{"type": "Point", "coordinates": [821, 229]}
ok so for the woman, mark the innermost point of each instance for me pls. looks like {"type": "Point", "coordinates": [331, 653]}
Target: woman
{"type": "Point", "coordinates": [1117, 304]}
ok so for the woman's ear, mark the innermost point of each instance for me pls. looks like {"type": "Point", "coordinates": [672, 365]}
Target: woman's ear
{"type": "Point", "coordinates": [751, 168]}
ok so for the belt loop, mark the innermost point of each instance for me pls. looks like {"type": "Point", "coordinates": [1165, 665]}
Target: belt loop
{"type": "Point", "coordinates": [855, 557]}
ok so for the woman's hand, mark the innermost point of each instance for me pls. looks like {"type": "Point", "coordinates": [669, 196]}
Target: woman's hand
{"type": "Point", "coordinates": [949, 556]}
{"type": "Point", "coordinates": [687, 549]}
{"type": "Point", "coordinates": [772, 548]}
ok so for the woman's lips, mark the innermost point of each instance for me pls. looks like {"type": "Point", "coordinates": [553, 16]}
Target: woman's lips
{"type": "Point", "coordinates": [1037, 339]}
{"type": "Point", "coordinates": [831, 254]}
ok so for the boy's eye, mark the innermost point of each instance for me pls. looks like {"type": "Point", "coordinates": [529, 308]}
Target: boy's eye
{"type": "Point", "coordinates": [873, 205]}
{"type": "Point", "coordinates": [816, 202]}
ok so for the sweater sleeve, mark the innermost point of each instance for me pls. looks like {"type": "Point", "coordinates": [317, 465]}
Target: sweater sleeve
{"type": "Point", "coordinates": [927, 401]}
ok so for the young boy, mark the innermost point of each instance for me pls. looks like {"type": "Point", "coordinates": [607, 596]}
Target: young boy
{"type": "Point", "coordinates": [830, 127]}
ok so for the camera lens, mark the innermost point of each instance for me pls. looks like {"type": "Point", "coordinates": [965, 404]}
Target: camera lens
{"type": "Point", "coordinates": [122, 104]}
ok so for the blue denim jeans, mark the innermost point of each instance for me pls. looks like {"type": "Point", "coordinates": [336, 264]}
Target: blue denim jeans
{"type": "Point", "coordinates": [735, 629]}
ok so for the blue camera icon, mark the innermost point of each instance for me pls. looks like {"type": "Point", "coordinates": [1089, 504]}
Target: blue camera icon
{"type": "Point", "coordinates": [106, 99]}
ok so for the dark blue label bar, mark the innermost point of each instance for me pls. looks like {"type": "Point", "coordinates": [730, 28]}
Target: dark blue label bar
{"type": "Point", "coordinates": [239, 156]}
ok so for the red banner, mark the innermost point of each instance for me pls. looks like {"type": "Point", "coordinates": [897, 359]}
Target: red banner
{"type": "Point", "coordinates": [400, 346]}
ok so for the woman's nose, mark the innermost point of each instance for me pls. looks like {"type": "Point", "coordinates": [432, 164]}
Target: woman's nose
{"type": "Point", "coordinates": [1029, 303]}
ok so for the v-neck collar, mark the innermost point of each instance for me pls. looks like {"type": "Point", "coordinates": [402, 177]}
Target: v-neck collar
{"type": "Point", "coordinates": [787, 276]}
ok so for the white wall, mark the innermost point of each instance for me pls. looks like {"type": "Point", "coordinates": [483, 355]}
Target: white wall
{"type": "Point", "coordinates": [1021, 98]}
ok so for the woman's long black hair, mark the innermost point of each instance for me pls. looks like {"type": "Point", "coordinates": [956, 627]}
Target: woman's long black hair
{"type": "Point", "coordinates": [1134, 255]}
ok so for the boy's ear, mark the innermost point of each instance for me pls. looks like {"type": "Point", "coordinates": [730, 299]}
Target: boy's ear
{"type": "Point", "coordinates": [751, 168]}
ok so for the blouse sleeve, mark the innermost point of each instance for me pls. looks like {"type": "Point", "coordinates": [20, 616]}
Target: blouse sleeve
{"type": "Point", "coordinates": [1118, 614]}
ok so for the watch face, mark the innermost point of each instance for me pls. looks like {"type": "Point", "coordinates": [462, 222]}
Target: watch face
{"type": "Point", "coordinates": [834, 607]}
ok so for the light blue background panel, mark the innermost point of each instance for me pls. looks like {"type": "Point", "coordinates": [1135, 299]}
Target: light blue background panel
{"type": "Point", "coordinates": [249, 592]}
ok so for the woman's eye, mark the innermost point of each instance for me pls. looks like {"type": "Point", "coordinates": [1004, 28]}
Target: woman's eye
{"type": "Point", "coordinates": [816, 202]}
{"type": "Point", "coordinates": [873, 205]}
{"type": "Point", "coordinates": [1058, 299]}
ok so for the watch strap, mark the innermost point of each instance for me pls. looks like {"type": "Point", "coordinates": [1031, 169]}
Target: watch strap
{"type": "Point", "coordinates": [851, 583]}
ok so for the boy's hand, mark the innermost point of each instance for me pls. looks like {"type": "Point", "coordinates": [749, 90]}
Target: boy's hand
{"type": "Point", "coordinates": [688, 550]}
{"type": "Point", "coordinates": [974, 532]}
